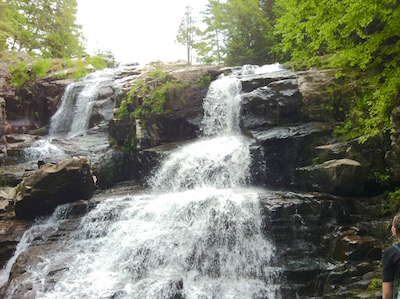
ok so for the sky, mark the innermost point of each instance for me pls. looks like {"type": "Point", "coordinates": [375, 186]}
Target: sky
{"type": "Point", "coordinates": [135, 30]}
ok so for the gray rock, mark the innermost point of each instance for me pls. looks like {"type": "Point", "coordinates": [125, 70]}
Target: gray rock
{"type": "Point", "coordinates": [278, 103]}
{"type": "Point", "coordinates": [52, 185]}
{"type": "Point", "coordinates": [341, 177]}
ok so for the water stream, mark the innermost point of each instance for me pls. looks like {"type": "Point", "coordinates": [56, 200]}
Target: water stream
{"type": "Point", "coordinates": [197, 233]}
{"type": "Point", "coordinates": [73, 115]}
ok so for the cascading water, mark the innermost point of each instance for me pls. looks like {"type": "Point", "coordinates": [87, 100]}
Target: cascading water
{"type": "Point", "coordinates": [72, 117]}
{"type": "Point", "coordinates": [196, 234]}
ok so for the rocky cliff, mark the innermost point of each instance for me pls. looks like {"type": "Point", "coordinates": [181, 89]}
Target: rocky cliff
{"type": "Point", "coordinates": [329, 230]}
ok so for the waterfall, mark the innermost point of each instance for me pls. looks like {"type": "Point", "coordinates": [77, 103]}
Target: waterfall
{"type": "Point", "coordinates": [72, 117]}
{"type": "Point", "coordinates": [197, 233]}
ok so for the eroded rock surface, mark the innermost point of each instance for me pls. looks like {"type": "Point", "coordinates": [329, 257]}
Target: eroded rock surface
{"type": "Point", "coordinates": [52, 185]}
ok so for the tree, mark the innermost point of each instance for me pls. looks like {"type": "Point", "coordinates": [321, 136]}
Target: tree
{"type": "Point", "coordinates": [210, 49]}
{"type": "Point", "coordinates": [46, 27]}
{"type": "Point", "coordinates": [187, 32]}
{"type": "Point", "coordinates": [360, 34]}
{"type": "Point", "coordinates": [246, 28]}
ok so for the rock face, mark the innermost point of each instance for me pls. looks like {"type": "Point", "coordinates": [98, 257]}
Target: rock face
{"type": "Point", "coordinates": [48, 97]}
{"type": "Point", "coordinates": [328, 247]}
{"type": "Point", "coordinates": [342, 176]}
{"type": "Point", "coordinates": [182, 121]}
{"type": "Point", "coordinates": [278, 102]}
{"type": "Point", "coordinates": [53, 185]}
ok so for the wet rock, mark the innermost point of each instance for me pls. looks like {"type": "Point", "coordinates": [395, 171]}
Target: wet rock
{"type": "Point", "coordinates": [278, 103]}
{"type": "Point", "coordinates": [48, 92]}
{"type": "Point", "coordinates": [114, 166]}
{"type": "Point", "coordinates": [52, 185]}
{"type": "Point", "coordinates": [327, 248]}
{"type": "Point", "coordinates": [278, 152]}
{"type": "Point", "coordinates": [341, 177]}
{"type": "Point", "coordinates": [7, 196]}
{"type": "Point", "coordinates": [184, 113]}
{"type": "Point", "coordinates": [11, 232]}
{"type": "Point", "coordinates": [254, 81]}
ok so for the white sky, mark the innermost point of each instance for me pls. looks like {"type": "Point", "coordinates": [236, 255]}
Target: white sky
{"type": "Point", "coordinates": [135, 30]}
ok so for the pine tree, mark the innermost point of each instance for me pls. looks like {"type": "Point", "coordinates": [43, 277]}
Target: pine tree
{"type": "Point", "coordinates": [187, 32]}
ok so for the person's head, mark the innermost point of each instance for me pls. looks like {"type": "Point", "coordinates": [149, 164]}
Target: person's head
{"type": "Point", "coordinates": [396, 226]}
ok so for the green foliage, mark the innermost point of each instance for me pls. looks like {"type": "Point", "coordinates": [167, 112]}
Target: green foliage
{"type": "Point", "coordinates": [391, 203]}
{"type": "Point", "coordinates": [375, 285]}
{"type": "Point", "coordinates": [315, 161]}
{"type": "Point", "coordinates": [19, 74]}
{"type": "Point", "coordinates": [362, 35]}
{"type": "Point", "coordinates": [47, 27]}
{"type": "Point", "coordinates": [98, 62]}
{"type": "Point", "coordinates": [40, 68]}
{"type": "Point", "coordinates": [237, 32]}
{"type": "Point", "coordinates": [187, 32]}
{"type": "Point", "coordinates": [148, 97]}
{"type": "Point", "coordinates": [154, 102]}
{"type": "Point", "coordinates": [205, 81]}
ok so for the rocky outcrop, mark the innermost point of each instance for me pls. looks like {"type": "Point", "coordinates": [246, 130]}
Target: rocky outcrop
{"type": "Point", "coordinates": [313, 86]}
{"type": "Point", "coordinates": [277, 152]}
{"type": "Point", "coordinates": [277, 103]}
{"type": "Point", "coordinates": [48, 92]}
{"type": "Point", "coordinates": [342, 177]}
{"type": "Point", "coordinates": [52, 185]}
{"type": "Point", "coordinates": [114, 166]}
{"type": "Point", "coordinates": [183, 113]}
{"type": "Point", "coordinates": [327, 247]}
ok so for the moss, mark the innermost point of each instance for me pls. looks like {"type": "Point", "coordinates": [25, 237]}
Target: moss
{"type": "Point", "coordinates": [390, 204]}
{"type": "Point", "coordinates": [148, 97]}
{"type": "Point", "coordinates": [205, 81]}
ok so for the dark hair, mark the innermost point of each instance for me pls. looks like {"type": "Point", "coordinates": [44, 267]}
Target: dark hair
{"type": "Point", "coordinates": [396, 222]}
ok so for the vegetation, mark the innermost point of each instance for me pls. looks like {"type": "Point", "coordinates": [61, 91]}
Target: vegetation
{"type": "Point", "coordinates": [40, 27]}
{"type": "Point", "coordinates": [24, 72]}
{"type": "Point", "coordinates": [355, 37]}
{"type": "Point", "coordinates": [391, 203]}
{"type": "Point", "coordinates": [187, 31]}
{"type": "Point", "coordinates": [148, 97]}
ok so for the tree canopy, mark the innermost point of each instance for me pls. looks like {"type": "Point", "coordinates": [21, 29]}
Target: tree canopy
{"type": "Point", "coordinates": [44, 27]}
{"type": "Point", "coordinates": [362, 36]}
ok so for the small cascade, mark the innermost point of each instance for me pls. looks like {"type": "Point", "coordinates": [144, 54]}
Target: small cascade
{"type": "Point", "coordinates": [197, 233]}
{"type": "Point", "coordinates": [73, 116]}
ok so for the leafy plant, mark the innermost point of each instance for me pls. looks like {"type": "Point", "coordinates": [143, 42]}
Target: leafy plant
{"type": "Point", "coordinates": [19, 74]}
{"type": "Point", "coordinates": [391, 203]}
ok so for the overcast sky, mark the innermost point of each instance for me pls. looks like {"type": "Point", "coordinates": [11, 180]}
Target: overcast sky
{"type": "Point", "coordinates": [135, 30]}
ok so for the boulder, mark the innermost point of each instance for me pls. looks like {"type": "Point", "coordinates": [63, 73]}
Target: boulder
{"type": "Point", "coordinates": [340, 177]}
{"type": "Point", "coordinates": [52, 185]}
{"type": "Point", "coordinates": [11, 232]}
{"type": "Point", "coordinates": [114, 166]}
{"type": "Point", "coordinates": [253, 81]}
{"type": "Point", "coordinates": [183, 112]}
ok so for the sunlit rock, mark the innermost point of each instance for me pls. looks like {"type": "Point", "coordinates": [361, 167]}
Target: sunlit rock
{"type": "Point", "coordinates": [42, 191]}
{"type": "Point", "coordinates": [344, 176]}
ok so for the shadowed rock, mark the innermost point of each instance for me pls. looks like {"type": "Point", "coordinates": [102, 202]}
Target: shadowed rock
{"type": "Point", "coordinates": [52, 185]}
